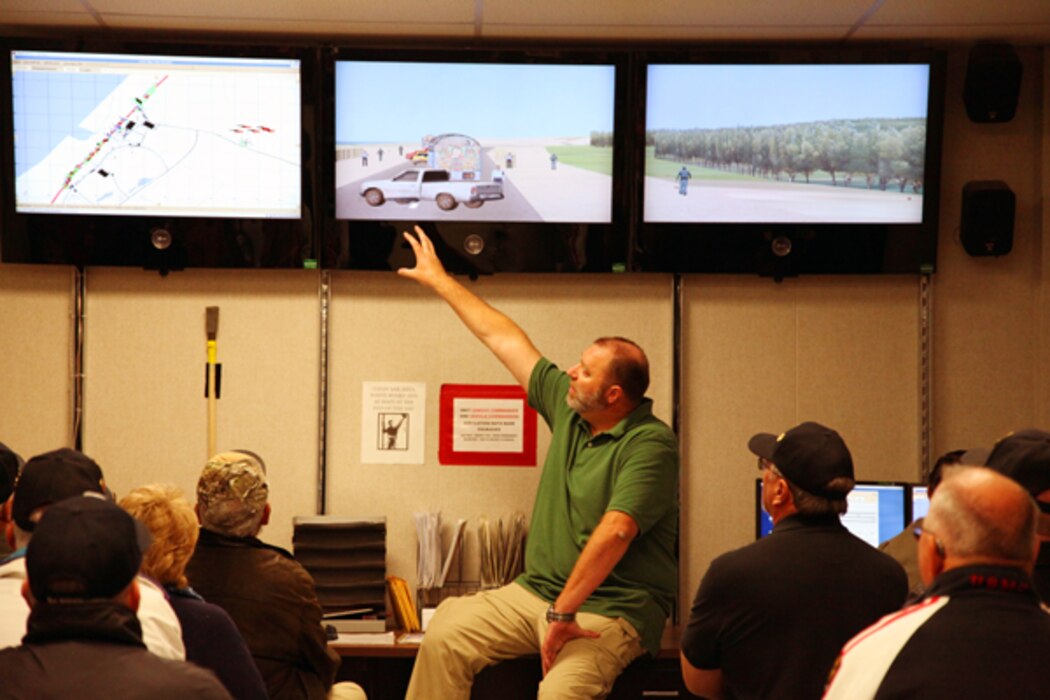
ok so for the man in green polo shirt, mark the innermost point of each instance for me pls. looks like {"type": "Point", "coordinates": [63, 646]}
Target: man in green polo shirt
{"type": "Point", "coordinates": [600, 571]}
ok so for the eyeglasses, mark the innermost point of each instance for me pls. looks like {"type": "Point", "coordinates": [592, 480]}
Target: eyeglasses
{"type": "Point", "coordinates": [919, 531]}
{"type": "Point", "coordinates": [764, 464]}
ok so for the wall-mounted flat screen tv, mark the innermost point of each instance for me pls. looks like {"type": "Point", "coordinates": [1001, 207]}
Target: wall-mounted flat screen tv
{"type": "Point", "coordinates": [157, 155]}
{"type": "Point", "coordinates": [154, 135]}
{"type": "Point", "coordinates": [768, 143]}
{"type": "Point", "coordinates": [452, 141]}
{"type": "Point", "coordinates": [790, 161]}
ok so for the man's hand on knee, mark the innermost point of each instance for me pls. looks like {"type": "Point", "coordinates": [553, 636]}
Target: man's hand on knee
{"type": "Point", "coordinates": [558, 635]}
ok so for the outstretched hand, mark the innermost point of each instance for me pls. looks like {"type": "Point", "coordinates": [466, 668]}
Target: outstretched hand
{"type": "Point", "coordinates": [558, 635]}
{"type": "Point", "coordinates": [428, 267]}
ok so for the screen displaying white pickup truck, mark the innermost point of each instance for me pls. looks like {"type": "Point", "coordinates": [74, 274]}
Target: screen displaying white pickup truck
{"type": "Point", "coordinates": [530, 142]}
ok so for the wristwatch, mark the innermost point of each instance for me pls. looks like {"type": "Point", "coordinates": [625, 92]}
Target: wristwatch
{"type": "Point", "coordinates": [555, 616]}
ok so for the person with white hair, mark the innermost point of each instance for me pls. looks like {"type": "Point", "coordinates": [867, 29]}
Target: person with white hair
{"type": "Point", "coordinates": [979, 632]}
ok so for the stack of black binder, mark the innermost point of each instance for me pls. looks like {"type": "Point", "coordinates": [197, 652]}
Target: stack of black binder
{"type": "Point", "coordinates": [347, 559]}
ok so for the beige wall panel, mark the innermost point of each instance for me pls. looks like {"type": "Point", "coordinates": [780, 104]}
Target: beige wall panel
{"type": "Point", "coordinates": [36, 313]}
{"type": "Point", "coordinates": [762, 357]}
{"type": "Point", "coordinates": [146, 416]}
{"type": "Point", "coordinates": [739, 378]}
{"type": "Point", "coordinates": [987, 311]}
{"type": "Point", "coordinates": [385, 328]}
{"type": "Point", "coordinates": [858, 368]}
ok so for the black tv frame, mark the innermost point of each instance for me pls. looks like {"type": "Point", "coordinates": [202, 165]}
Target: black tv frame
{"type": "Point", "coordinates": [482, 247]}
{"type": "Point", "coordinates": [132, 240]}
{"type": "Point", "coordinates": [626, 244]}
{"type": "Point", "coordinates": [830, 248]}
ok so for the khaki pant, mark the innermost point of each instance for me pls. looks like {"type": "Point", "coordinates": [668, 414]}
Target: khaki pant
{"type": "Point", "coordinates": [467, 634]}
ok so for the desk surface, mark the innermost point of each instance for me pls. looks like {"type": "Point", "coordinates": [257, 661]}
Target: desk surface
{"type": "Point", "coordinates": [668, 647]}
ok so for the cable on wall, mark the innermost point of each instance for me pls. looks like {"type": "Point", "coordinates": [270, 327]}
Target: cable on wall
{"type": "Point", "coordinates": [325, 300]}
{"type": "Point", "coordinates": [79, 294]}
{"type": "Point", "coordinates": [925, 374]}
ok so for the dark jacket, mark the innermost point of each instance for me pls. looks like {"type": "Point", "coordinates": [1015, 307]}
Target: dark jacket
{"type": "Point", "coordinates": [213, 642]}
{"type": "Point", "coordinates": [272, 600]}
{"type": "Point", "coordinates": [94, 651]}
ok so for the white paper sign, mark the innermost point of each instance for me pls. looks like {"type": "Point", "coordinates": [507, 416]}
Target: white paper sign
{"type": "Point", "coordinates": [488, 425]}
{"type": "Point", "coordinates": [393, 422]}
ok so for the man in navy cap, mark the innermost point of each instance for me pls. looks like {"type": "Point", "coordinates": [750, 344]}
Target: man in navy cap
{"type": "Point", "coordinates": [45, 479]}
{"type": "Point", "coordinates": [83, 637]}
{"type": "Point", "coordinates": [769, 619]}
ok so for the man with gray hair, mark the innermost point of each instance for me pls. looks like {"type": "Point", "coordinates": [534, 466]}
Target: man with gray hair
{"type": "Point", "coordinates": [980, 631]}
{"type": "Point", "coordinates": [269, 595]}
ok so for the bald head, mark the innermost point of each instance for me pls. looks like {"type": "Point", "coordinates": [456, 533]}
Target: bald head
{"type": "Point", "coordinates": [981, 515]}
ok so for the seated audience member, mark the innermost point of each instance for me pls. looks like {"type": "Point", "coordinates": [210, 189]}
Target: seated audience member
{"type": "Point", "coordinates": [269, 595]}
{"type": "Point", "coordinates": [769, 618]}
{"type": "Point", "coordinates": [46, 479]}
{"type": "Point", "coordinates": [211, 638]}
{"type": "Point", "coordinates": [84, 640]}
{"type": "Point", "coordinates": [1024, 456]}
{"type": "Point", "coordinates": [10, 464]}
{"type": "Point", "coordinates": [980, 631]}
{"type": "Point", "coordinates": [902, 547]}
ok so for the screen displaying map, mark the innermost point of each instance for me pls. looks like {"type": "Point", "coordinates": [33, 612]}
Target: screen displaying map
{"type": "Point", "coordinates": [156, 135]}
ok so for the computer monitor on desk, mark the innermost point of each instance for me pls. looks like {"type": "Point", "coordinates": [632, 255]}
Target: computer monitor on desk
{"type": "Point", "coordinates": [920, 502]}
{"type": "Point", "coordinates": [877, 511]}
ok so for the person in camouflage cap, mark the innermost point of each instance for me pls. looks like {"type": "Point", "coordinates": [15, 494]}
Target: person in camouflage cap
{"type": "Point", "coordinates": [232, 494]}
{"type": "Point", "coordinates": [270, 596]}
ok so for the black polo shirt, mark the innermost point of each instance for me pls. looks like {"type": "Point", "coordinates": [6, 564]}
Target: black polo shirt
{"type": "Point", "coordinates": [978, 633]}
{"type": "Point", "coordinates": [773, 615]}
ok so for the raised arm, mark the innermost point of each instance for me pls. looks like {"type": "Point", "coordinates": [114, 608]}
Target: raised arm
{"type": "Point", "coordinates": [499, 334]}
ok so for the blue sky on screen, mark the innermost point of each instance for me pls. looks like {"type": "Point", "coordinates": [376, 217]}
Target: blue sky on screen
{"type": "Point", "coordinates": [381, 102]}
{"type": "Point", "coordinates": [728, 96]}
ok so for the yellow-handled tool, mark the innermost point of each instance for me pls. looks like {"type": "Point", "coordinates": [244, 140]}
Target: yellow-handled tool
{"type": "Point", "coordinates": [211, 388]}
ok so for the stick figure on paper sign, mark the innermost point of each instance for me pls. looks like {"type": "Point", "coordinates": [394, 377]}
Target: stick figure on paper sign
{"type": "Point", "coordinates": [390, 436]}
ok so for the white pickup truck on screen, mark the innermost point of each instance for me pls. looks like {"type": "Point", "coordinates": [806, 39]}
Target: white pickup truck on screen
{"type": "Point", "coordinates": [430, 184]}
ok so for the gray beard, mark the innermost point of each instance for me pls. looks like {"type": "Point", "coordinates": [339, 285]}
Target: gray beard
{"type": "Point", "coordinates": [583, 403]}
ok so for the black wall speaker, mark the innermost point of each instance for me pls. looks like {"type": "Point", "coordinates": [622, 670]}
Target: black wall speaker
{"type": "Point", "coordinates": [987, 223]}
{"type": "Point", "coordinates": [993, 81]}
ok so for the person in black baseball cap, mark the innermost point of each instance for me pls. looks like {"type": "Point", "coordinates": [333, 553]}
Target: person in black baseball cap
{"type": "Point", "coordinates": [812, 457]}
{"type": "Point", "coordinates": [50, 477]}
{"type": "Point", "coordinates": [84, 549]}
{"type": "Point", "coordinates": [1024, 456]}
{"type": "Point", "coordinates": [806, 588]}
{"type": "Point", "coordinates": [83, 638]}
{"type": "Point", "coordinates": [47, 479]}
